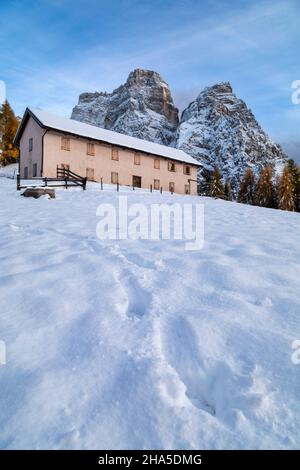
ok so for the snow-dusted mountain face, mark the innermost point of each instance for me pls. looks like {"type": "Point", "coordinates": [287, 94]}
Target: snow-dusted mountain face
{"type": "Point", "coordinates": [143, 107]}
{"type": "Point", "coordinates": [217, 129]}
{"type": "Point", "coordinates": [220, 131]}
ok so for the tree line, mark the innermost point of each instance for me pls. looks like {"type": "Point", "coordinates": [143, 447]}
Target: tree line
{"type": "Point", "coordinates": [8, 127]}
{"type": "Point", "coordinates": [266, 190]}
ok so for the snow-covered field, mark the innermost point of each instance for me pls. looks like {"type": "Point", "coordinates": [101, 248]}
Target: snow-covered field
{"type": "Point", "coordinates": [142, 344]}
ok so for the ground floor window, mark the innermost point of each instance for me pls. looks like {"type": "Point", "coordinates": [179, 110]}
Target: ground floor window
{"type": "Point", "coordinates": [34, 170]}
{"type": "Point", "coordinates": [65, 166]}
{"type": "Point", "coordinates": [136, 181]}
{"type": "Point", "coordinates": [187, 189]}
{"type": "Point", "coordinates": [171, 187]}
{"type": "Point", "coordinates": [26, 172]}
{"type": "Point", "coordinates": [114, 177]}
{"type": "Point", "coordinates": [90, 174]}
{"type": "Point", "coordinates": [156, 184]}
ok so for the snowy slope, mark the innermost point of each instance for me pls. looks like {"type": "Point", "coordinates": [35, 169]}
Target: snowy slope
{"type": "Point", "coordinates": [140, 344]}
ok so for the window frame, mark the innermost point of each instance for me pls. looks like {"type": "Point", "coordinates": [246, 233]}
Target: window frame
{"type": "Point", "coordinates": [154, 185]}
{"type": "Point", "coordinates": [157, 161]}
{"type": "Point", "coordinates": [65, 143]}
{"type": "Point", "coordinates": [87, 170]}
{"type": "Point", "coordinates": [173, 185]}
{"type": "Point", "coordinates": [115, 154]}
{"type": "Point", "coordinates": [171, 165]}
{"type": "Point", "coordinates": [65, 166]}
{"type": "Point", "coordinates": [137, 159]}
{"type": "Point", "coordinates": [30, 144]}
{"type": "Point", "coordinates": [112, 178]}
{"type": "Point", "coordinates": [34, 170]}
{"type": "Point", "coordinates": [90, 149]}
{"type": "Point", "coordinates": [185, 168]}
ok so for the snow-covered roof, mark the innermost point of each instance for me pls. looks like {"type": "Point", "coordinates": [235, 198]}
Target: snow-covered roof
{"type": "Point", "coordinates": [71, 126]}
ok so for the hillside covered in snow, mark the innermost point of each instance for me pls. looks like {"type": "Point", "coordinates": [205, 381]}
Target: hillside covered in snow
{"type": "Point", "coordinates": [142, 344]}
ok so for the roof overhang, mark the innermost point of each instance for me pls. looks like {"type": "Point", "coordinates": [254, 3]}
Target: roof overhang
{"type": "Point", "coordinates": [28, 113]}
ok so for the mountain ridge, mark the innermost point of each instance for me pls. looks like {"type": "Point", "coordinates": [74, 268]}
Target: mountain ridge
{"type": "Point", "coordinates": [217, 128]}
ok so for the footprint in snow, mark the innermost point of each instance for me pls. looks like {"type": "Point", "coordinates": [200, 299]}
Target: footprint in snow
{"type": "Point", "coordinates": [138, 299]}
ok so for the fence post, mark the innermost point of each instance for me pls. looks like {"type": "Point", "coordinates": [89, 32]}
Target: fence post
{"type": "Point", "coordinates": [101, 183]}
{"type": "Point", "coordinates": [46, 181]}
{"type": "Point", "coordinates": [18, 182]}
{"type": "Point", "coordinates": [84, 183]}
{"type": "Point", "coordinates": [133, 187]}
{"type": "Point", "coordinates": [161, 190]}
{"type": "Point", "coordinates": [150, 188]}
{"type": "Point", "coordinates": [118, 186]}
{"type": "Point", "coordinates": [66, 183]}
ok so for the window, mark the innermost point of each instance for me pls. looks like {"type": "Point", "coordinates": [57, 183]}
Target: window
{"type": "Point", "coordinates": [65, 143]}
{"type": "Point", "coordinates": [137, 159]}
{"type": "Point", "coordinates": [30, 144]}
{"type": "Point", "coordinates": [114, 154]}
{"type": "Point", "coordinates": [65, 166]}
{"type": "Point", "coordinates": [156, 184]}
{"type": "Point", "coordinates": [34, 170]}
{"type": "Point", "coordinates": [186, 169]}
{"type": "Point", "coordinates": [26, 172]}
{"type": "Point", "coordinates": [172, 187]}
{"type": "Point", "coordinates": [171, 166]}
{"type": "Point", "coordinates": [187, 189]}
{"type": "Point", "coordinates": [136, 181]}
{"type": "Point", "coordinates": [90, 174]}
{"type": "Point", "coordinates": [90, 149]}
{"type": "Point", "coordinates": [157, 163]}
{"type": "Point", "coordinates": [114, 177]}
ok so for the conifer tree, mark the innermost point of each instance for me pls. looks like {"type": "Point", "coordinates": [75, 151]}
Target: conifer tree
{"type": "Point", "coordinates": [286, 194]}
{"type": "Point", "coordinates": [8, 128]}
{"type": "Point", "coordinates": [205, 184]}
{"type": "Point", "coordinates": [217, 188]}
{"type": "Point", "coordinates": [264, 191]}
{"type": "Point", "coordinates": [295, 174]}
{"type": "Point", "coordinates": [246, 192]}
{"type": "Point", "coordinates": [228, 191]}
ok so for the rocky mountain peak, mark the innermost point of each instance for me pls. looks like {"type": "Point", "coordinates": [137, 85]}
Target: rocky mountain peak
{"type": "Point", "coordinates": [143, 77]}
{"type": "Point", "coordinates": [142, 107]}
{"type": "Point", "coordinates": [222, 87]}
{"type": "Point", "coordinates": [219, 130]}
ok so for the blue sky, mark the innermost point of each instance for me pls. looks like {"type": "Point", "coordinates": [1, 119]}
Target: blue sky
{"type": "Point", "coordinates": [51, 51]}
